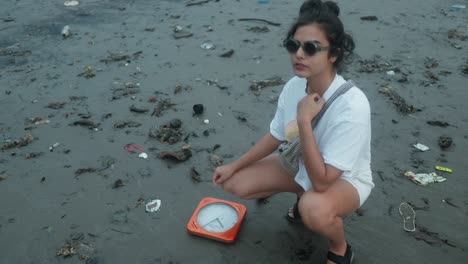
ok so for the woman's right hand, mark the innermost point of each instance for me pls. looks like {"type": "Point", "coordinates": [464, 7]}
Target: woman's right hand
{"type": "Point", "coordinates": [222, 173]}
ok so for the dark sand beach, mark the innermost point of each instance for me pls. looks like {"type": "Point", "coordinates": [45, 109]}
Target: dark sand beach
{"type": "Point", "coordinates": [123, 72]}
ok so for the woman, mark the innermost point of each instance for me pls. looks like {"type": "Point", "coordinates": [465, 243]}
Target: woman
{"type": "Point", "coordinates": [334, 177]}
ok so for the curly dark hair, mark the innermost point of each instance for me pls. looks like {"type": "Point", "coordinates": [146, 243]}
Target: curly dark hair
{"type": "Point", "coordinates": [325, 14]}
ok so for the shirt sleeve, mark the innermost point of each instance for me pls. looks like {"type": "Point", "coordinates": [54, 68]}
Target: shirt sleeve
{"type": "Point", "coordinates": [344, 144]}
{"type": "Point", "coordinates": [277, 124]}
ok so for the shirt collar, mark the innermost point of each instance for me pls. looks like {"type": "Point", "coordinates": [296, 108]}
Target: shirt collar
{"type": "Point", "coordinates": [336, 83]}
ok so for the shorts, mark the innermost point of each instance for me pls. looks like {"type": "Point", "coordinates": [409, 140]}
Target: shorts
{"type": "Point", "coordinates": [363, 188]}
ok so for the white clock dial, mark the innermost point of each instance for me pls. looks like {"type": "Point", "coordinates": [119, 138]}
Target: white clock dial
{"type": "Point", "coordinates": [217, 217]}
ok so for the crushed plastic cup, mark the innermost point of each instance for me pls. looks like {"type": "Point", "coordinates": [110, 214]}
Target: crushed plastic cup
{"type": "Point", "coordinates": [421, 147]}
{"type": "Point", "coordinates": [143, 155]}
{"type": "Point", "coordinates": [424, 179]}
{"type": "Point", "coordinates": [153, 206]}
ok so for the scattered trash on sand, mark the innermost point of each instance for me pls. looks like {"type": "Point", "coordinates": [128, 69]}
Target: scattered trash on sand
{"type": "Point", "coordinates": [54, 146]}
{"type": "Point", "coordinates": [195, 175]}
{"type": "Point", "coordinates": [117, 184]}
{"type": "Point", "coordinates": [227, 54]}
{"type": "Point", "coordinates": [215, 160]}
{"type": "Point", "coordinates": [458, 6]}
{"type": "Point", "coordinates": [3, 176]}
{"type": "Point", "coordinates": [132, 149]}
{"type": "Point", "coordinates": [126, 123]}
{"type": "Point", "coordinates": [71, 3]}
{"type": "Point", "coordinates": [56, 105]}
{"type": "Point", "coordinates": [179, 156]}
{"type": "Point", "coordinates": [438, 123]}
{"type": "Point", "coordinates": [444, 169]}
{"type": "Point", "coordinates": [168, 133]}
{"type": "Point", "coordinates": [66, 31]}
{"type": "Point", "coordinates": [258, 29]}
{"type": "Point", "coordinates": [369, 18]}
{"type": "Point", "coordinates": [153, 206]}
{"type": "Point", "coordinates": [445, 142]}
{"type": "Point", "coordinates": [39, 121]}
{"type": "Point", "coordinates": [198, 109]}
{"type": "Point", "coordinates": [193, 3]}
{"type": "Point", "coordinates": [424, 179]}
{"type": "Point", "coordinates": [260, 20]}
{"type": "Point", "coordinates": [207, 46]}
{"type": "Point", "coordinates": [397, 100]}
{"type": "Point", "coordinates": [67, 250]}
{"type": "Point", "coordinates": [140, 110]}
{"type": "Point", "coordinates": [85, 123]}
{"type": "Point", "coordinates": [88, 72]}
{"type": "Point", "coordinates": [162, 106]}
{"type": "Point", "coordinates": [409, 217]}
{"type": "Point", "coordinates": [28, 138]}
{"type": "Point", "coordinates": [257, 86]}
{"type": "Point", "coordinates": [78, 172]}
{"type": "Point", "coordinates": [421, 147]}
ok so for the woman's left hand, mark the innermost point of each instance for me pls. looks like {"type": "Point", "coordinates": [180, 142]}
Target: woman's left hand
{"type": "Point", "coordinates": [309, 107]}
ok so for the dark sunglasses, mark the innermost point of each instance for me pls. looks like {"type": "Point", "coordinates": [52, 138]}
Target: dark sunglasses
{"type": "Point", "coordinates": [309, 47]}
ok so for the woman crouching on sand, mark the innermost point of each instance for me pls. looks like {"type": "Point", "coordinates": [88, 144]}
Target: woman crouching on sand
{"type": "Point", "coordinates": [333, 178]}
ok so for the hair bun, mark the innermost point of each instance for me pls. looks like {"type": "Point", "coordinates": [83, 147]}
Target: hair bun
{"type": "Point", "coordinates": [333, 7]}
{"type": "Point", "coordinates": [310, 6]}
{"type": "Point", "coordinates": [314, 7]}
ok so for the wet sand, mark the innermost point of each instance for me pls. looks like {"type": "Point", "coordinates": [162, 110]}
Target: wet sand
{"type": "Point", "coordinates": [130, 49]}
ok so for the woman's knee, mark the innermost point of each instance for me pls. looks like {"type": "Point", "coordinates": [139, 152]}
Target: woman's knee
{"type": "Point", "coordinates": [232, 187]}
{"type": "Point", "coordinates": [315, 211]}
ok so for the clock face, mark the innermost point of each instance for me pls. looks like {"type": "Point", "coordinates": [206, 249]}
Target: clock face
{"type": "Point", "coordinates": [217, 217]}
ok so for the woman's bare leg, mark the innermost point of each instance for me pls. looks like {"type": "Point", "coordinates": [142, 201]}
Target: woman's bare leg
{"type": "Point", "coordinates": [261, 179]}
{"type": "Point", "coordinates": [323, 212]}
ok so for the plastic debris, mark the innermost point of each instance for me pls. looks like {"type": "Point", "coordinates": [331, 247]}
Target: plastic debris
{"type": "Point", "coordinates": [132, 147]}
{"type": "Point", "coordinates": [391, 73]}
{"type": "Point", "coordinates": [459, 6]}
{"type": "Point", "coordinates": [424, 179]}
{"type": "Point", "coordinates": [207, 46]}
{"type": "Point", "coordinates": [206, 121]}
{"type": "Point", "coordinates": [444, 169]}
{"type": "Point", "coordinates": [71, 3]}
{"type": "Point", "coordinates": [409, 217]}
{"type": "Point", "coordinates": [421, 147]}
{"type": "Point", "coordinates": [55, 145]}
{"type": "Point", "coordinates": [66, 32]}
{"type": "Point", "coordinates": [153, 206]}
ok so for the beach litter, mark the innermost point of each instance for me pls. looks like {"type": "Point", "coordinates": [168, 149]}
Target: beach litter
{"type": "Point", "coordinates": [71, 3]}
{"type": "Point", "coordinates": [397, 100]}
{"type": "Point", "coordinates": [54, 146]}
{"type": "Point", "coordinates": [444, 169]}
{"type": "Point", "coordinates": [421, 147]}
{"type": "Point", "coordinates": [132, 149]}
{"type": "Point", "coordinates": [24, 141]}
{"type": "Point", "coordinates": [424, 179]}
{"type": "Point", "coordinates": [369, 18]}
{"type": "Point", "coordinates": [195, 175]}
{"type": "Point", "coordinates": [178, 156]}
{"type": "Point", "coordinates": [207, 46]}
{"type": "Point", "coordinates": [66, 31]}
{"type": "Point", "coordinates": [117, 184]}
{"type": "Point", "coordinates": [153, 206]}
{"type": "Point", "coordinates": [458, 6]}
{"type": "Point", "coordinates": [140, 110]}
{"type": "Point", "coordinates": [409, 217]}
{"type": "Point", "coordinates": [257, 86]}
{"type": "Point", "coordinates": [227, 54]}
{"type": "Point", "coordinates": [168, 133]}
{"type": "Point", "coordinates": [445, 142]}
{"type": "Point", "coordinates": [438, 123]}
{"type": "Point", "coordinates": [198, 109]}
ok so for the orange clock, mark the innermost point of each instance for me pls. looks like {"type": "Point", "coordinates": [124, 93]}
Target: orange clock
{"type": "Point", "coordinates": [217, 219]}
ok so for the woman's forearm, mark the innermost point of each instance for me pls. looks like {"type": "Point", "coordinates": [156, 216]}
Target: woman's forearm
{"type": "Point", "coordinates": [312, 157]}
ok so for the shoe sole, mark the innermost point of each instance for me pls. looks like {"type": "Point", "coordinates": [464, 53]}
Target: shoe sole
{"type": "Point", "coordinates": [409, 217]}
